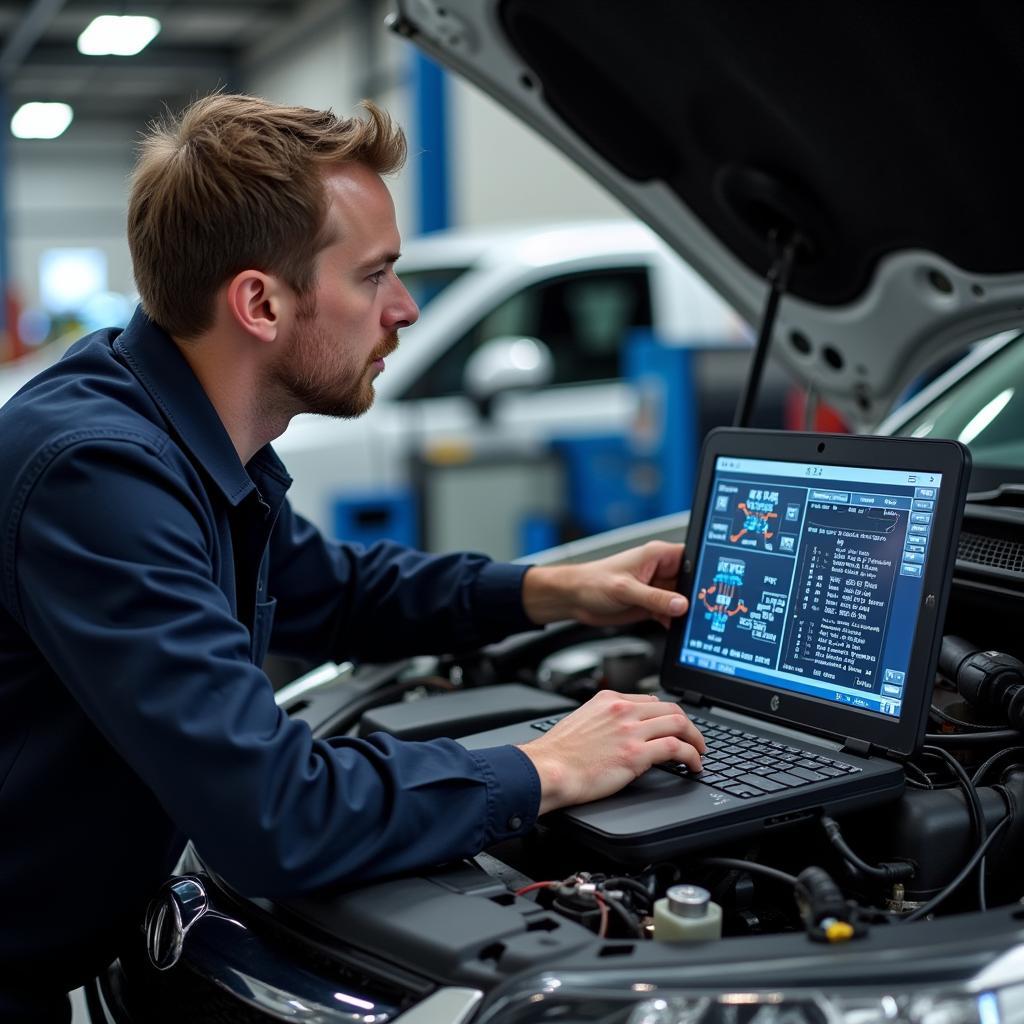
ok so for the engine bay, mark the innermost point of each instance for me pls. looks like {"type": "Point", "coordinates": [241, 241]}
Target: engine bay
{"type": "Point", "coordinates": [945, 846]}
{"type": "Point", "coordinates": [904, 860]}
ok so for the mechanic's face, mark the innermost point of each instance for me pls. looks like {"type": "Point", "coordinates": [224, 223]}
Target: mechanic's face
{"type": "Point", "coordinates": [349, 322]}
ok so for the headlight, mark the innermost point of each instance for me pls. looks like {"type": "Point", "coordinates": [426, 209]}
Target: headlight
{"type": "Point", "coordinates": [553, 1001]}
{"type": "Point", "coordinates": [816, 1008]}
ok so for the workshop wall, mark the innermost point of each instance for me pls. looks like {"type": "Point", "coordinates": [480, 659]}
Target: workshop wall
{"type": "Point", "coordinates": [69, 192]}
{"type": "Point", "coordinates": [493, 154]}
{"type": "Point", "coordinates": [490, 153]}
{"type": "Point", "coordinates": [335, 65]}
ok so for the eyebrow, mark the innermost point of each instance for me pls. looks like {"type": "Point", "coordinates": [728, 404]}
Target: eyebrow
{"type": "Point", "coordinates": [387, 257]}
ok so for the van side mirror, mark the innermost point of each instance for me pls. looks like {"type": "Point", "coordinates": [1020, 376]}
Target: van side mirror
{"type": "Point", "coordinates": [506, 364]}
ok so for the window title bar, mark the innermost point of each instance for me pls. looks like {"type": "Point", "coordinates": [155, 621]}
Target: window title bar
{"type": "Point", "coordinates": [812, 471]}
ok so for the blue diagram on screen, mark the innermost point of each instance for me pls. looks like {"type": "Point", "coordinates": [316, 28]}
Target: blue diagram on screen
{"type": "Point", "coordinates": [758, 512]}
{"type": "Point", "coordinates": [809, 578]}
{"type": "Point", "coordinates": [721, 598]}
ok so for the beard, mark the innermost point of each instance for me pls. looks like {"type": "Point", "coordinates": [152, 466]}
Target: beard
{"type": "Point", "coordinates": [318, 376]}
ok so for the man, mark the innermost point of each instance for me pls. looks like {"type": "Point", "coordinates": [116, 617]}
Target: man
{"type": "Point", "coordinates": [149, 559]}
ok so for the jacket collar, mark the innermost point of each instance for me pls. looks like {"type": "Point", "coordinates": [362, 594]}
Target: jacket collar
{"type": "Point", "coordinates": [152, 355]}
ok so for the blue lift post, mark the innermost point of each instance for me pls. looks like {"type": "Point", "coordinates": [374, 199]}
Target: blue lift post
{"type": "Point", "coordinates": [667, 438]}
{"type": "Point", "coordinates": [617, 479]}
{"type": "Point", "coordinates": [430, 92]}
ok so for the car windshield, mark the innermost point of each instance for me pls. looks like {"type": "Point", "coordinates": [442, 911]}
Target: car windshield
{"type": "Point", "coordinates": [984, 409]}
{"type": "Point", "coordinates": [426, 284]}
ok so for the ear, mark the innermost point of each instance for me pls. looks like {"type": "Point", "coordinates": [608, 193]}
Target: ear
{"type": "Point", "coordinates": [257, 302]}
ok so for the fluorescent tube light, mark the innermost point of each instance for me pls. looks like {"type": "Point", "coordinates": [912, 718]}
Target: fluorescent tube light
{"type": "Point", "coordinates": [41, 120]}
{"type": "Point", "coordinates": [121, 35]}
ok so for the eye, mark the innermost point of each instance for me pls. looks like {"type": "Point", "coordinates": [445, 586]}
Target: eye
{"type": "Point", "coordinates": [378, 276]}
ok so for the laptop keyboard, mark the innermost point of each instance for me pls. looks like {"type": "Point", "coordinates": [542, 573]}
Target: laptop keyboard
{"type": "Point", "coordinates": [745, 765]}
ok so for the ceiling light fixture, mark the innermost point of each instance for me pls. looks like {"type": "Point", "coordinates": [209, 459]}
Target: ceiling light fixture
{"type": "Point", "coordinates": [121, 35]}
{"type": "Point", "coordinates": [41, 120]}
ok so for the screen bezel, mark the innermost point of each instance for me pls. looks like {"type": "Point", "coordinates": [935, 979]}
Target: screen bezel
{"type": "Point", "coordinates": [900, 737]}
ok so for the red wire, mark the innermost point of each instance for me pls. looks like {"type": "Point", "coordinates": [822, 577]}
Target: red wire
{"type": "Point", "coordinates": [536, 885]}
{"type": "Point", "coordinates": [602, 905]}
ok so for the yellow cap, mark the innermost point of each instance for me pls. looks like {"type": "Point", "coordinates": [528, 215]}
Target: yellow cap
{"type": "Point", "coordinates": [839, 931]}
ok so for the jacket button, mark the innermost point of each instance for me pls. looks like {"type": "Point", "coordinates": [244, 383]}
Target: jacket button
{"type": "Point", "coordinates": [515, 823]}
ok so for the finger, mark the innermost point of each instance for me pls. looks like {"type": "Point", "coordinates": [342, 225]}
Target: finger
{"type": "Point", "coordinates": [653, 600]}
{"type": "Point", "coordinates": [675, 751]}
{"type": "Point", "coordinates": [628, 617]}
{"type": "Point", "coordinates": [670, 557]}
{"type": "Point", "coordinates": [657, 708]}
{"type": "Point", "coordinates": [651, 708]}
{"type": "Point", "coordinates": [673, 725]}
{"type": "Point", "coordinates": [661, 560]}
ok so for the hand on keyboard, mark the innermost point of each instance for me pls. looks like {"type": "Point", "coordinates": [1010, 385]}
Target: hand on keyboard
{"type": "Point", "coordinates": [607, 743]}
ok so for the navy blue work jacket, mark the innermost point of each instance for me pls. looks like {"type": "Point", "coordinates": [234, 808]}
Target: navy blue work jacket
{"type": "Point", "coordinates": [144, 573]}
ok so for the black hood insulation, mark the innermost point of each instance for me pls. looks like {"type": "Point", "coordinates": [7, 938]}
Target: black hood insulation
{"type": "Point", "coordinates": [866, 126]}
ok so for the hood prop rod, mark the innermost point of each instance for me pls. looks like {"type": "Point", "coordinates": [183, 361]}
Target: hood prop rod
{"type": "Point", "coordinates": [778, 281]}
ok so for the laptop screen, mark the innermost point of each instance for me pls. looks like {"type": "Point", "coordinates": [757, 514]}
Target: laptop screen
{"type": "Point", "coordinates": [809, 578]}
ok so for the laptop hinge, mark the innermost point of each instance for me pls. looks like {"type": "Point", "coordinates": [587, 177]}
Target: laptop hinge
{"type": "Point", "coordinates": [859, 747]}
{"type": "Point", "coordinates": [692, 697]}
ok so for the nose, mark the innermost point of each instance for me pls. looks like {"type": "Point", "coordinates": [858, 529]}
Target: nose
{"type": "Point", "coordinates": [401, 310]}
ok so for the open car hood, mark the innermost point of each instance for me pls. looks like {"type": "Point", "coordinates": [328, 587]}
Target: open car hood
{"type": "Point", "coordinates": [885, 135]}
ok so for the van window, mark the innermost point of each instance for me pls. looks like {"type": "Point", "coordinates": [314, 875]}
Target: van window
{"type": "Point", "coordinates": [583, 318]}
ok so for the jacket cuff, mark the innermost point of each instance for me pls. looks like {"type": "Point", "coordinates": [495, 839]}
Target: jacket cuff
{"type": "Point", "coordinates": [498, 600]}
{"type": "Point", "coordinates": [513, 792]}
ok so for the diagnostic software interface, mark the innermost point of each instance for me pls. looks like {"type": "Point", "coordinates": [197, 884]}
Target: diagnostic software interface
{"type": "Point", "coordinates": [809, 578]}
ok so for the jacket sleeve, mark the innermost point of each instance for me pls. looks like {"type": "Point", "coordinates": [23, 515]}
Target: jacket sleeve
{"type": "Point", "coordinates": [113, 582]}
{"type": "Point", "coordinates": [338, 601]}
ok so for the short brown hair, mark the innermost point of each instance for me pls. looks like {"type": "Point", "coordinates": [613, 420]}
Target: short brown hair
{"type": "Point", "coordinates": [236, 182]}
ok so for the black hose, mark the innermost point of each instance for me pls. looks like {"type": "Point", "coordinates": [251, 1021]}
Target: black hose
{"type": "Point", "coordinates": [893, 872]}
{"type": "Point", "coordinates": [754, 869]}
{"type": "Point", "coordinates": [974, 727]}
{"type": "Point", "coordinates": [979, 773]}
{"type": "Point", "coordinates": [631, 921]}
{"type": "Point", "coordinates": [631, 884]}
{"type": "Point", "coordinates": [973, 806]}
{"type": "Point", "coordinates": [973, 739]}
{"type": "Point", "coordinates": [922, 778]}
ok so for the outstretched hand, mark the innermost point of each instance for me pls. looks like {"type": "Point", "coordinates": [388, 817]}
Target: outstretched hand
{"type": "Point", "coordinates": [625, 587]}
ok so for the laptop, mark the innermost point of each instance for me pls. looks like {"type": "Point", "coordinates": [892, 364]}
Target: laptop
{"type": "Point", "coordinates": [818, 568]}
